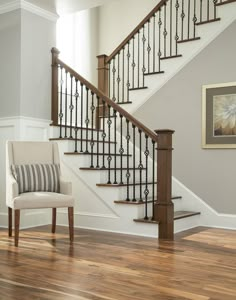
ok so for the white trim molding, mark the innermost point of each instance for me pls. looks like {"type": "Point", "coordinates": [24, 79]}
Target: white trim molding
{"type": "Point", "coordinates": [22, 4]}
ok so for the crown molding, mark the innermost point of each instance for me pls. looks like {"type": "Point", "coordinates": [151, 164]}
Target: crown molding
{"type": "Point", "coordinates": [22, 4]}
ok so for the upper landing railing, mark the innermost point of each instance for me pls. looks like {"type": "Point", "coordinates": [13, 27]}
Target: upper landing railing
{"type": "Point", "coordinates": [155, 39]}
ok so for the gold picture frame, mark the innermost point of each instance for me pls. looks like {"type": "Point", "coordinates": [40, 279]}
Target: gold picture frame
{"type": "Point", "coordinates": [219, 116]}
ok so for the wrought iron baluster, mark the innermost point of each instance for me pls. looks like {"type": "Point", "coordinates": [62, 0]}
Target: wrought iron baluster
{"type": "Point", "coordinates": [176, 27]}
{"type": "Point", "coordinates": [92, 132]}
{"type": "Point", "coordinates": [159, 50]}
{"type": "Point", "coordinates": [215, 2]}
{"type": "Point", "coordinates": [66, 93]}
{"type": "Point", "coordinates": [189, 10]}
{"type": "Point", "coordinates": [149, 49]}
{"type": "Point", "coordinates": [121, 149]}
{"type": "Point", "coordinates": [140, 166]}
{"type": "Point", "coordinates": [76, 115]}
{"type": "Point", "coordinates": [201, 10]}
{"type": "Point", "coordinates": [118, 79]}
{"type": "Point", "coordinates": [114, 80]}
{"type": "Point", "coordinates": [144, 68]}
{"type": "Point", "coordinates": [115, 146]}
{"type": "Point", "coordinates": [128, 75]}
{"type": "Point", "coordinates": [81, 115]}
{"type": "Point", "coordinates": [71, 107]}
{"type": "Point", "coordinates": [133, 62]}
{"type": "Point", "coordinates": [123, 74]}
{"type": "Point", "coordinates": [146, 191]}
{"type": "Point", "coordinates": [154, 44]}
{"type": "Point", "coordinates": [109, 158]}
{"type": "Point", "coordinates": [103, 133]}
{"type": "Point", "coordinates": [86, 120]}
{"type": "Point", "coordinates": [138, 80]}
{"type": "Point", "coordinates": [194, 19]}
{"type": "Point", "coordinates": [98, 135]}
{"type": "Point", "coordinates": [182, 20]}
{"type": "Point", "coordinates": [60, 109]}
{"type": "Point", "coordinates": [208, 10]}
{"type": "Point", "coordinates": [171, 27]}
{"type": "Point", "coordinates": [153, 180]}
{"type": "Point", "coordinates": [109, 79]}
{"type": "Point", "coordinates": [134, 161]}
{"type": "Point", "coordinates": [128, 171]}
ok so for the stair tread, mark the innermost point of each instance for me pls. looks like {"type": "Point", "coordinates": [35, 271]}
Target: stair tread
{"type": "Point", "coordinates": [79, 140]}
{"type": "Point", "coordinates": [137, 202]}
{"type": "Point", "coordinates": [209, 21]}
{"type": "Point", "coordinates": [189, 40]}
{"type": "Point", "coordinates": [171, 56]}
{"type": "Point", "coordinates": [138, 88]}
{"type": "Point", "coordinates": [154, 73]}
{"type": "Point", "coordinates": [94, 153]}
{"type": "Point", "coordinates": [126, 102]}
{"type": "Point", "coordinates": [226, 2]}
{"type": "Point", "coordinates": [106, 169]}
{"type": "Point", "coordinates": [83, 128]}
{"type": "Point", "coordinates": [177, 215]}
{"type": "Point", "coordinates": [121, 185]}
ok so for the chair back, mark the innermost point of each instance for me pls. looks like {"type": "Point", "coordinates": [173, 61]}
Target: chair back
{"type": "Point", "coordinates": [32, 152]}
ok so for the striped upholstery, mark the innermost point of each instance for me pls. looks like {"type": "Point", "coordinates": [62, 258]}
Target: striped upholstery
{"type": "Point", "coordinates": [37, 177]}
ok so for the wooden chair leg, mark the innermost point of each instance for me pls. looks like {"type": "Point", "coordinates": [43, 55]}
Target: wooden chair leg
{"type": "Point", "coordinates": [9, 221]}
{"type": "Point", "coordinates": [17, 226]}
{"type": "Point", "coordinates": [71, 222]}
{"type": "Point", "coordinates": [54, 219]}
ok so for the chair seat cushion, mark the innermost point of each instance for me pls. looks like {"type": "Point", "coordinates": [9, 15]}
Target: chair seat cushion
{"type": "Point", "coordinates": [42, 200]}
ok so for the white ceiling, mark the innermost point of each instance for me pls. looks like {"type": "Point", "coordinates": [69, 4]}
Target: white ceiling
{"type": "Point", "coordinates": [67, 6]}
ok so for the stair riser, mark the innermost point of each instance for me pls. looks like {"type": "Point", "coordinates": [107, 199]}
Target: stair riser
{"type": "Point", "coordinates": [141, 208]}
{"type": "Point", "coordinates": [104, 176]}
{"type": "Point", "coordinates": [55, 133]}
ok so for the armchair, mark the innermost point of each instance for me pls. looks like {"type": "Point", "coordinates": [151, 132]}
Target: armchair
{"type": "Point", "coordinates": [33, 185]}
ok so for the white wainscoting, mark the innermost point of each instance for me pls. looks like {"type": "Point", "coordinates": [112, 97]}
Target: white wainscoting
{"type": "Point", "coordinates": [22, 129]}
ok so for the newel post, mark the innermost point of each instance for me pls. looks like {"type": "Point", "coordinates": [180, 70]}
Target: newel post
{"type": "Point", "coordinates": [103, 73]}
{"type": "Point", "coordinates": [164, 208]}
{"type": "Point", "coordinates": [54, 109]}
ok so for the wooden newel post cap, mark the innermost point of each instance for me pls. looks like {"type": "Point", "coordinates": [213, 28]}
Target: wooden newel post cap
{"type": "Point", "coordinates": [102, 56]}
{"type": "Point", "coordinates": [164, 139]}
{"type": "Point", "coordinates": [164, 131]}
{"type": "Point", "coordinates": [55, 51]}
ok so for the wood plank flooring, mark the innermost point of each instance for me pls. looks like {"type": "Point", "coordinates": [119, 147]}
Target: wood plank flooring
{"type": "Point", "coordinates": [199, 265]}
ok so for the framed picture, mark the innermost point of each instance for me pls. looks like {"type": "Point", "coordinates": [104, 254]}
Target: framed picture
{"type": "Point", "coordinates": [219, 115]}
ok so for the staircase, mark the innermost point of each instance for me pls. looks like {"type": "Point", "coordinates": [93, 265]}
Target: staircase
{"type": "Point", "coordinates": [127, 165]}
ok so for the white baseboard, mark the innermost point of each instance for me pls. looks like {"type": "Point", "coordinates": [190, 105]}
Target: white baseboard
{"type": "Point", "coordinates": [29, 219]}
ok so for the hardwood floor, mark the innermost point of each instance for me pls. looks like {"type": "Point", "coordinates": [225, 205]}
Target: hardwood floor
{"type": "Point", "coordinates": [199, 265]}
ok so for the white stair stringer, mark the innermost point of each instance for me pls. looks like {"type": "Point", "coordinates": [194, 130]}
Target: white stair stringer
{"type": "Point", "coordinates": [95, 207]}
{"type": "Point", "coordinates": [207, 33]}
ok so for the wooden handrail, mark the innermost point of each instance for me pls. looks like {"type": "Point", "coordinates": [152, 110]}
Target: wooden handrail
{"type": "Point", "coordinates": [108, 101]}
{"type": "Point", "coordinates": [137, 28]}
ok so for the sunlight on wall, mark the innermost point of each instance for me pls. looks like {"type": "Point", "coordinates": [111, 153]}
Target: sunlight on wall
{"type": "Point", "coordinates": [77, 42]}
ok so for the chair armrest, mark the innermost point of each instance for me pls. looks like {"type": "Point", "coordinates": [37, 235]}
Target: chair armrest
{"type": "Point", "coordinates": [12, 190]}
{"type": "Point", "coordinates": [65, 187]}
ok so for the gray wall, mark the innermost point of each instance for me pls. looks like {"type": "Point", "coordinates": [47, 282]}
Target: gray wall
{"type": "Point", "coordinates": [10, 63]}
{"type": "Point", "coordinates": [211, 174]}
{"type": "Point", "coordinates": [37, 38]}
{"type": "Point", "coordinates": [25, 59]}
